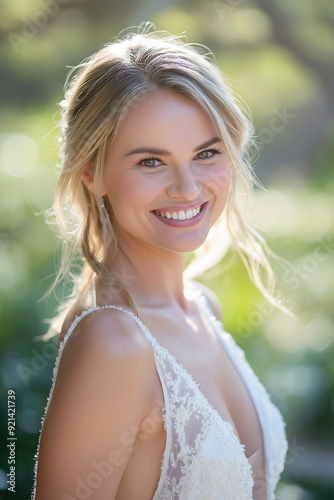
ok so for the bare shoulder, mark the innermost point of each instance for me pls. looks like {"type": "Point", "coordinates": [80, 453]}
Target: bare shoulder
{"type": "Point", "coordinates": [104, 389]}
{"type": "Point", "coordinates": [108, 334]}
{"type": "Point", "coordinates": [212, 299]}
{"type": "Point", "coordinates": [108, 349]}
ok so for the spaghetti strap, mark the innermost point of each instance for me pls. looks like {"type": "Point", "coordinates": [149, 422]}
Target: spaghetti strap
{"type": "Point", "coordinates": [62, 344]}
{"type": "Point", "coordinates": [201, 448]}
{"type": "Point", "coordinates": [92, 309]}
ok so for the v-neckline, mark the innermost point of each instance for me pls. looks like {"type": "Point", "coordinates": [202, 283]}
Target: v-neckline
{"type": "Point", "coordinates": [189, 376]}
{"type": "Point", "coordinates": [196, 385]}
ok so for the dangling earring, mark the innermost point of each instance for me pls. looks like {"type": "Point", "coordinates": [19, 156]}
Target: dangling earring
{"type": "Point", "coordinates": [105, 212]}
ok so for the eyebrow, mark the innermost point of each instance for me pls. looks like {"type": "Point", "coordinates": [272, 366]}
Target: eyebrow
{"type": "Point", "coordinates": [149, 149]}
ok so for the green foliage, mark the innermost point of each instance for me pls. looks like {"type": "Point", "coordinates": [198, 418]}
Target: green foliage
{"type": "Point", "coordinates": [271, 70]}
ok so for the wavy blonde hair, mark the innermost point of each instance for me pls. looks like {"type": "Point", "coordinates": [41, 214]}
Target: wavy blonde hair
{"type": "Point", "coordinates": [100, 92]}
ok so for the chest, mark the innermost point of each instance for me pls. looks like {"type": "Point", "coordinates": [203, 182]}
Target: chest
{"type": "Point", "coordinates": [195, 345]}
{"type": "Point", "coordinates": [195, 352]}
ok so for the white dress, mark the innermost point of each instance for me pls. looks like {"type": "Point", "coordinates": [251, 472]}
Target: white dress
{"type": "Point", "coordinates": [203, 458]}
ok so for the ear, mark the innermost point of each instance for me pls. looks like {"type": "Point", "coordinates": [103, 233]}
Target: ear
{"type": "Point", "coordinates": [87, 178]}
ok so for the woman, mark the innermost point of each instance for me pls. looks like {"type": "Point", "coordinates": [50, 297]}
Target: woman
{"type": "Point", "coordinates": [150, 397]}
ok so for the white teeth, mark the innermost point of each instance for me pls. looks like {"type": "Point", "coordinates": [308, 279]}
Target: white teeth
{"type": "Point", "coordinates": [181, 215]}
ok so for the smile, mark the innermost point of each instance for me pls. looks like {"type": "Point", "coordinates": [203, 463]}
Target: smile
{"type": "Point", "coordinates": [181, 214]}
{"type": "Point", "coordinates": [181, 218]}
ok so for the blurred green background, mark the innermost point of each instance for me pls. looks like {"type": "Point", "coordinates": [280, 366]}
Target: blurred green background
{"type": "Point", "coordinates": [279, 56]}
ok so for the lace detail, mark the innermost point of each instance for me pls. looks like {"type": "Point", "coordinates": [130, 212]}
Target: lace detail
{"type": "Point", "coordinates": [193, 427]}
{"type": "Point", "coordinates": [272, 424]}
{"type": "Point", "coordinates": [203, 457]}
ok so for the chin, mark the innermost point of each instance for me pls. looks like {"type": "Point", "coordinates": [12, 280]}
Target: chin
{"type": "Point", "coordinates": [189, 244]}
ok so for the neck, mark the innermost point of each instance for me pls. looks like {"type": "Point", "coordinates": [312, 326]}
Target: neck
{"type": "Point", "coordinates": [154, 277]}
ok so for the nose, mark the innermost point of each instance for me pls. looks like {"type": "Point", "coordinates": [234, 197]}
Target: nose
{"type": "Point", "coordinates": [184, 184]}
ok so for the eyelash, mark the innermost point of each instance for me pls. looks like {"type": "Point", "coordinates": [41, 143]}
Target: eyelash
{"type": "Point", "coordinates": [214, 150]}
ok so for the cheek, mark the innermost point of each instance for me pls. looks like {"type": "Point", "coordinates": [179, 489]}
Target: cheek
{"type": "Point", "coordinates": [219, 179]}
{"type": "Point", "coordinates": [128, 188]}
{"type": "Point", "coordinates": [132, 192]}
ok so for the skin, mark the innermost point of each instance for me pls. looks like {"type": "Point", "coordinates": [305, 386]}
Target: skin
{"type": "Point", "coordinates": [108, 350]}
{"type": "Point", "coordinates": [149, 249]}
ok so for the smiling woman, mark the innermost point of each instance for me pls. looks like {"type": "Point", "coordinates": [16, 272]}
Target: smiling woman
{"type": "Point", "coordinates": [150, 397]}
{"type": "Point", "coordinates": [179, 181]}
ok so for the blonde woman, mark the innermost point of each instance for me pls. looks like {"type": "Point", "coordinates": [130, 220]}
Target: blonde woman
{"type": "Point", "coordinates": [150, 397]}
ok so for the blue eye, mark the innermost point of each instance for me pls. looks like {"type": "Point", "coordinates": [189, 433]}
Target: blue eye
{"type": "Point", "coordinates": [150, 162]}
{"type": "Point", "coordinates": [204, 154]}
{"type": "Point", "coordinates": [207, 153]}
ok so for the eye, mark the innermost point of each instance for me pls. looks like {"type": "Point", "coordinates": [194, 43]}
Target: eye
{"type": "Point", "coordinates": [150, 162]}
{"type": "Point", "coordinates": [207, 153]}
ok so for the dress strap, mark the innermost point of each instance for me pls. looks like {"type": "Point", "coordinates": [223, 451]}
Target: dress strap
{"type": "Point", "coordinates": [98, 308]}
{"type": "Point", "coordinates": [155, 347]}
{"type": "Point", "coordinates": [201, 298]}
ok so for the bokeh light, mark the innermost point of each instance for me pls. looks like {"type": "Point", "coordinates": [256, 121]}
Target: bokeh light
{"type": "Point", "coordinates": [278, 56]}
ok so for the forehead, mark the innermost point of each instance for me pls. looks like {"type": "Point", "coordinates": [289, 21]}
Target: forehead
{"type": "Point", "coordinates": [167, 117]}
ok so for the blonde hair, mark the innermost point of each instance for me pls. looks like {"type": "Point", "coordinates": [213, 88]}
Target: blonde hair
{"type": "Point", "coordinates": [100, 93]}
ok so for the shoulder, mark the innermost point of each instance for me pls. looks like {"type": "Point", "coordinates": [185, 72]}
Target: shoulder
{"type": "Point", "coordinates": [107, 331]}
{"type": "Point", "coordinates": [108, 344]}
{"type": "Point", "coordinates": [103, 390]}
{"type": "Point", "coordinates": [212, 298]}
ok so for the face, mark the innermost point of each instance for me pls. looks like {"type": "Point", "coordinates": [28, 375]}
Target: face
{"type": "Point", "coordinates": [166, 175]}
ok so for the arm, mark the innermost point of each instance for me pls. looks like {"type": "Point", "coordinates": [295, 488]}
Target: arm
{"type": "Point", "coordinates": [102, 390]}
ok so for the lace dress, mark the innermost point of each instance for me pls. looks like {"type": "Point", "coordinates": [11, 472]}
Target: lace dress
{"type": "Point", "coordinates": [203, 458]}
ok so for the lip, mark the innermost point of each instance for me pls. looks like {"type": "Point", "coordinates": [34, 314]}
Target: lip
{"type": "Point", "coordinates": [182, 223]}
{"type": "Point", "coordinates": [177, 208]}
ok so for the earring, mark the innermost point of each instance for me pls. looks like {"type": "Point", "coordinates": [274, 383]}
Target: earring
{"type": "Point", "coordinates": [105, 212]}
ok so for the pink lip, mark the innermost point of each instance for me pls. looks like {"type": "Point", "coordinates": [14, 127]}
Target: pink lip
{"type": "Point", "coordinates": [177, 208]}
{"type": "Point", "coordinates": [182, 223]}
